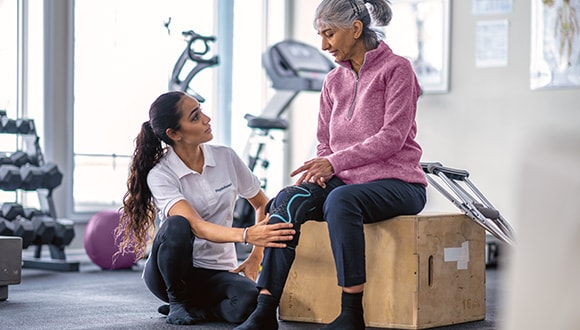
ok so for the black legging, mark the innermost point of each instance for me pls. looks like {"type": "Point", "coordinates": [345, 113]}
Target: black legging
{"type": "Point", "coordinates": [170, 276]}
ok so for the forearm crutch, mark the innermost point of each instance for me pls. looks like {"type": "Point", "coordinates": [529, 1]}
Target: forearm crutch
{"type": "Point", "coordinates": [479, 209]}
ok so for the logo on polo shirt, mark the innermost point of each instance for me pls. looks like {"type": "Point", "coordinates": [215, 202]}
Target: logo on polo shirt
{"type": "Point", "coordinates": [224, 187]}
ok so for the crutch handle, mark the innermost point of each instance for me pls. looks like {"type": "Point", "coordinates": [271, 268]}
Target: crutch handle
{"type": "Point", "coordinates": [427, 166]}
{"type": "Point", "coordinates": [452, 173]}
{"type": "Point", "coordinates": [487, 212]}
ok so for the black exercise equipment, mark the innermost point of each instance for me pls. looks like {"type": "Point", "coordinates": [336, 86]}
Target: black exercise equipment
{"type": "Point", "coordinates": [6, 227]}
{"type": "Point", "coordinates": [25, 126]}
{"type": "Point", "coordinates": [64, 232]}
{"type": "Point", "coordinates": [17, 158]}
{"type": "Point", "coordinates": [11, 210]}
{"type": "Point", "coordinates": [7, 125]}
{"type": "Point", "coordinates": [52, 176]}
{"type": "Point", "coordinates": [29, 212]}
{"type": "Point", "coordinates": [33, 177]}
{"type": "Point", "coordinates": [19, 228]}
{"type": "Point", "coordinates": [296, 66]}
{"type": "Point", "coordinates": [197, 56]}
{"type": "Point", "coordinates": [29, 177]}
{"type": "Point", "coordinates": [10, 178]}
{"type": "Point", "coordinates": [25, 169]}
{"type": "Point", "coordinates": [34, 226]}
{"type": "Point", "coordinates": [20, 126]}
{"type": "Point", "coordinates": [44, 229]}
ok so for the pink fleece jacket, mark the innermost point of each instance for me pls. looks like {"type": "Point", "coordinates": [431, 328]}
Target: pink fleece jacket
{"type": "Point", "coordinates": [366, 124]}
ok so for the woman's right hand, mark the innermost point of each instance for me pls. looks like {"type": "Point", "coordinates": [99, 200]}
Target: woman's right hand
{"type": "Point", "coordinates": [270, 235]}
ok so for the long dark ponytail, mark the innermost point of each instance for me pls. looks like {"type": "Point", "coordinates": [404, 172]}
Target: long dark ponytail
{"type": "Point", "coordinates": [138, 211]}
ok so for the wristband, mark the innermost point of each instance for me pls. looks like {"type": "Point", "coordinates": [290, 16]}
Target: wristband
{"type": "Point", "coordinates": [245, 235]}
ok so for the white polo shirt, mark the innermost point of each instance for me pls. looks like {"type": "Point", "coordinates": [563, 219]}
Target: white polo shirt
{"type": "Point", "coordinates": [212, 194]}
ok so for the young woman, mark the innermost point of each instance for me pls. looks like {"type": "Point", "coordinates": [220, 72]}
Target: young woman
{"type": "Point", "coordinates": [367, 166]}
{"type": "Point", "coordinates": [192, 186]}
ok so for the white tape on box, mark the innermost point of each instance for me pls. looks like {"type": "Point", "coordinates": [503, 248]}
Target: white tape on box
{"type": "Point", "coordinates": [460, 254]}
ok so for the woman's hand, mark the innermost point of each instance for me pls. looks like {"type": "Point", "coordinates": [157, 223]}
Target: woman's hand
{"type": "Point", "coordinates": [317, 170]}
{"type": "Point", "coordinates": [269, 235]}
{"type": "Point", "coordinates": [251, 266]}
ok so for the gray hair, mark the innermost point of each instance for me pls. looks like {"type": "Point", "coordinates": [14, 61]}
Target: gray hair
{"type": "Point", "coordinates": [342, 14]}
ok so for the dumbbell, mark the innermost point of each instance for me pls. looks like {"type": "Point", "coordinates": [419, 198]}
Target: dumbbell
{"type": "Point", "coordinates": [52, 176]}
{"type": "Point", "coordinates": [25, 230]}
{"type": "Point", "coordinates": [14, 221]}
{"type": "Point", "coordinates": [10, 178]}
{"type": "Point", "coordinates": [18, 227]}
{"type": "Point", "coordinates": [17, 158]}
{"type": "Point", "coordinates": [6, 227]}
{"type": "Point", "coordinates": [64, 232]}
{"type": "Point", "coordinates": [5, 159]}
{"type": "Point", "coordinates": [7, 125]}
{"type": "Point", "coordinates": [30, 212]}
{"type": "Point", "coordinates": [11, 210]}
{"type": "Point", "coordinates": [32, 177]}
{"type": "Point", "coordinates": [44, 229]}
{"type": "Point", "coordinates": [25, 126]}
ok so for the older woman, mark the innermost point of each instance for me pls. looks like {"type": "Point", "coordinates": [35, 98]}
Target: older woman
{"type": "Point", "coordinates": [367, 166]}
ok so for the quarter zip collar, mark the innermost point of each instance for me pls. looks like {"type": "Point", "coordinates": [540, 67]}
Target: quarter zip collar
{"type": "Point", "coordinates": [370, 57]}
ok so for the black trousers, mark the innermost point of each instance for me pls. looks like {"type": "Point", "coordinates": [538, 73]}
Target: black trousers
{"type": "Point", "coordinates": [345, 208]}
{"type": "Point", "coordinates": [170, 276]}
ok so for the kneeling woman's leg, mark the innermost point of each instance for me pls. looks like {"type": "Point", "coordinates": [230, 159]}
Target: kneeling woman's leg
{"type": "Point", "coordinates": [169, 268]}
{"type": "Point", "coordinates": [228, 296]}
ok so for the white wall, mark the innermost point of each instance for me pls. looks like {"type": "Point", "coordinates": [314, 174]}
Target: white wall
{"type": "Point", "coordinates": [485, 120]}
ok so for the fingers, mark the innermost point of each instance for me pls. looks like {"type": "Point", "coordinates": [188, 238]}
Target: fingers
{"type": "Point", "coordinates": [280, 226]}
{"type": "Point", "coordinates": [252, 276]}
{"type": "Point", "coordinates": [270, 235]}
{"type": "Point", "coordinates": [264, 221]}
{"type": "Point", "coordinates": [298, 170]}
{"type": "Point", "coordinates": [276, 245]}
{"type": "Point", "coordinates": [300, 180]}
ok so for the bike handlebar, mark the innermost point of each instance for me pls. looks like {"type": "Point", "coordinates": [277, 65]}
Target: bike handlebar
{"type": "Point", "coordinates": [194, 55]}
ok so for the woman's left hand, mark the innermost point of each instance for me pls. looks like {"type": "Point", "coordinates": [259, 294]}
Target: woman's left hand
{"type": "Point", "coordinates": [251, 266]}
{"type": "Point", "coordinates": [317, 170]}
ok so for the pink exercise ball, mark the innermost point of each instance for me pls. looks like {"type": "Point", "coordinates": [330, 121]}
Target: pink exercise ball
{"type": "Point", "coordinates": [100, 244]}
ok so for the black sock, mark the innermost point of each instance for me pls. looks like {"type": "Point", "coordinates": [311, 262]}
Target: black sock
{"type": "Point", "coordinates": [179, 315]}
{"type": "Point", "coordinates": [198, 313]}
{"type": "Point", "coordinates": [163, 309]}
{"type": "Point", "coordinates": [351, 316]}
{"type": "Point", "coordinates": [264, 316]}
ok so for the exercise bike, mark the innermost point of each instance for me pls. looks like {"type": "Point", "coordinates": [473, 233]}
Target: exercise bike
{"type": "Point", "coordinates": [293, 67]}
{"type": "Point", "coordinates": [189, 54]}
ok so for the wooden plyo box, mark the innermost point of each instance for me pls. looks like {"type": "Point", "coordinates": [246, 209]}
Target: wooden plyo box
{"type": "Point", "coordinates": [423, 271]}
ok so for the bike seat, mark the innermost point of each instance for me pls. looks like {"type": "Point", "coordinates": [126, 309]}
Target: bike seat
{"type": "Point", "coordinates": [266, 123]}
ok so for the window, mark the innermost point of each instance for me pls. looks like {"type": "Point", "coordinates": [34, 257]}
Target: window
{"type": "Point", "coordinates": [122, 61]}
{"type": "Point", "coordinates": [9, 70]}
{"type": "Point", "coordinates": [123, 58]}
{"type": "Point", "coordinates": [8, 56]}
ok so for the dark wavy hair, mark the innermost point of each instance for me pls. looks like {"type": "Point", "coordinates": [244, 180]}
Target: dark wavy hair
{"type": "Point", "coordinates": [138, 212]}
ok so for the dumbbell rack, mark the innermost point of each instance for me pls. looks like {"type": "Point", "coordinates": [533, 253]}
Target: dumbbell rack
{"type": "Point", "coordinates": [27, 141]}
